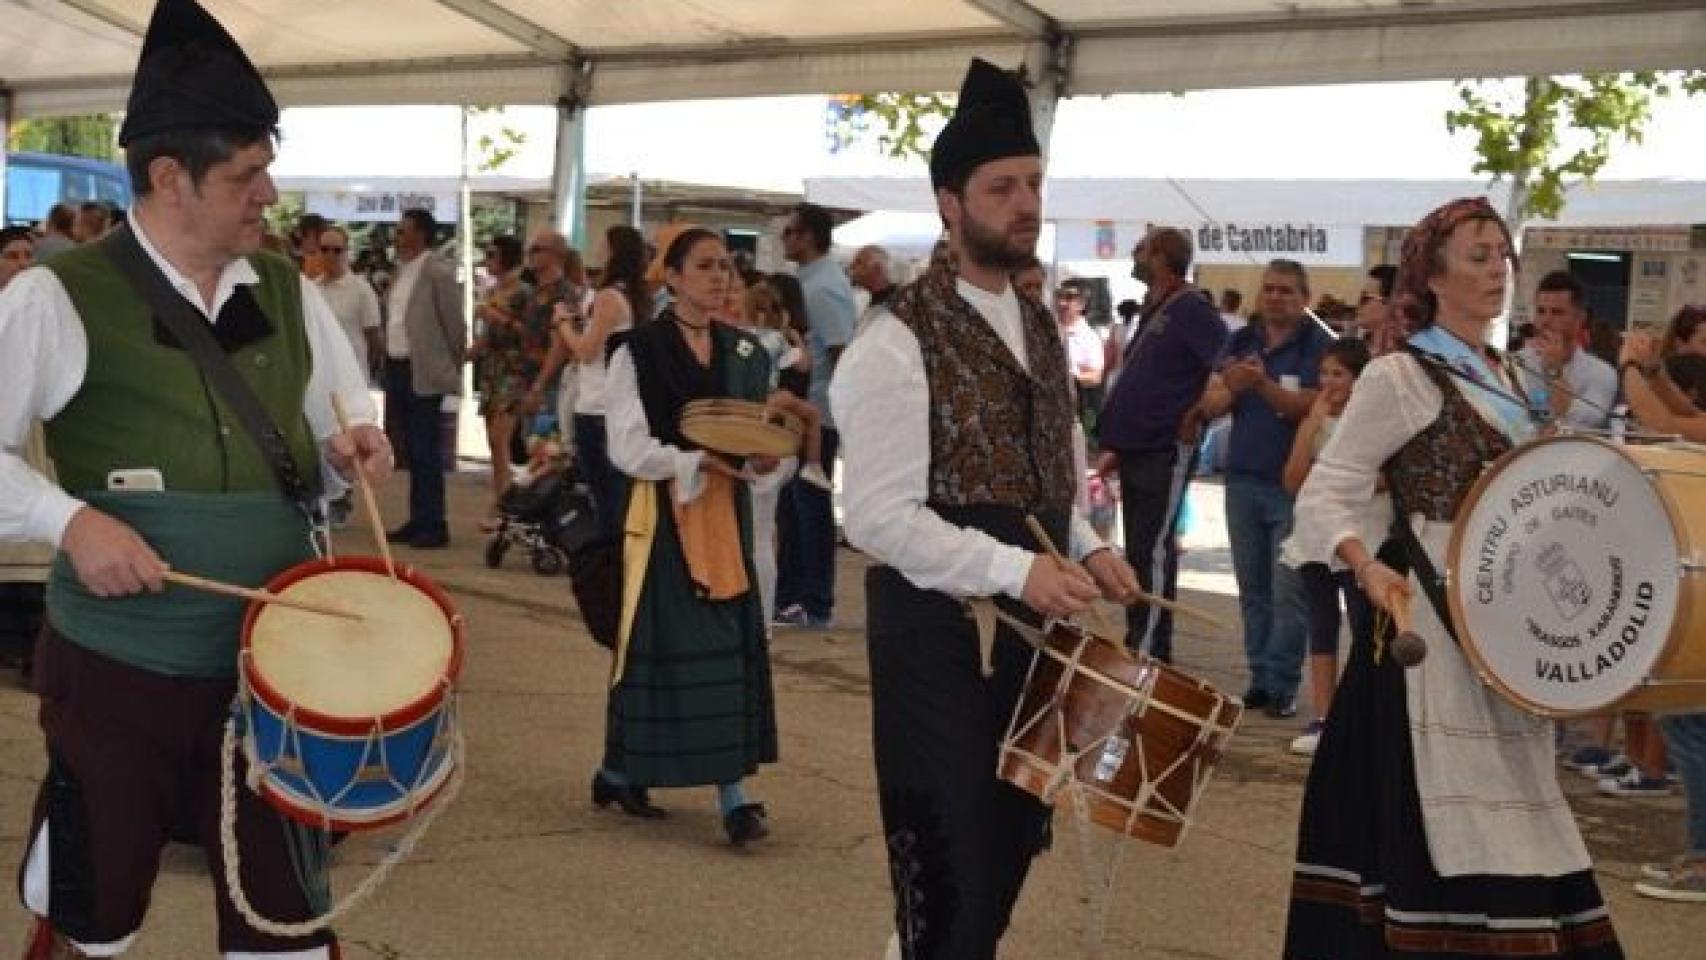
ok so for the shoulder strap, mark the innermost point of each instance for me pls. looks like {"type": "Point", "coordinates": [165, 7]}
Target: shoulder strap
{"type": "Point", "coordinates": [192, 332]}
{"type": "Point", "coordinates": [1433, 585]}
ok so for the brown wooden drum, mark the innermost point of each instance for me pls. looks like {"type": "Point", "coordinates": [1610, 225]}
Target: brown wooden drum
{"type": "Point", "coordinates": [1138, 738]}
{"type": "Point", "coordinates": [741, 428]}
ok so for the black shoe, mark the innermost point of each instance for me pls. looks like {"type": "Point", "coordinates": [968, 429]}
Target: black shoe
{"type": "Point", "coordinates": [745, 823]}
{"type": "Point", "coordinates": [1282, 708]}
{"type": "Point", "coordinates": [633, 800]}
{"type": "Point", "coordinates": [1256, 698]}
{"type": "Point", "coordinates": [402, 534]}
{"type": "Point", "coordinates": [430, 541]}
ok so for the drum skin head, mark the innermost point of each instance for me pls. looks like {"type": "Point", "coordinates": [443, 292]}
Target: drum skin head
{"type": "Point", "coordinates": [1564, 576]}
{"type": "Point", "coordinates": [741, 428]}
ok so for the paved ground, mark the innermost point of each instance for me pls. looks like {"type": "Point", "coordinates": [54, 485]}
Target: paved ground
{"type": "Point", "coordinates": [524, 867]}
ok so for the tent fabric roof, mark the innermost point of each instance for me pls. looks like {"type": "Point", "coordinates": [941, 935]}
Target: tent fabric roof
{"type": "Point", "coordinates": [1322, 202]}
{"type": "Point", "coordinates": [75, 56]}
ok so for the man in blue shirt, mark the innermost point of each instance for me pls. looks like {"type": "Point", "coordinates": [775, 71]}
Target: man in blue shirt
{"type": "Point", "coordinates": [1151, 422]}
{"type": "Point", "coordinates": [805, 575]}
{"type": "Point", "coordinates": [1268, 382]}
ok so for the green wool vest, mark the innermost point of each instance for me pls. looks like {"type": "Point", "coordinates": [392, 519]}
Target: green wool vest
{"type": "Point", "coordinates": [143, 404]}
{"type": "Point", "coordinates": [146, 405]}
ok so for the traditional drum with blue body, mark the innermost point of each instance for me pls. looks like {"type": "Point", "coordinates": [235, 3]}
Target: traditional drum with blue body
{"type": "Point", "coordinates": [349, 724]}
{"type": "Point", "coordinates": [1575, 576]}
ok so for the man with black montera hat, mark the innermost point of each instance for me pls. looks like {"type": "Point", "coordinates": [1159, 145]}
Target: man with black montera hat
{"type": "Point", "coordinates": [956, 408]}
{"type": "Point", "coordinates": [136, 680]}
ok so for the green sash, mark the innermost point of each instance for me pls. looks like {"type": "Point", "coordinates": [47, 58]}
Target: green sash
{"type": "Point", "coordinates": [241, 538]}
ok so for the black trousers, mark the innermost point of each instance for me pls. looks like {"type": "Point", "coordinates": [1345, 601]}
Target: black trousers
{"type": "Point", "coordinates": [1153, 485]}
{"type": "Point", "coordinates": [959, 841]}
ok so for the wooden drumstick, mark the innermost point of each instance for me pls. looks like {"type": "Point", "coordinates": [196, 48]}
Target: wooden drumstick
{"type": "Point", "coordinates": [1408, 647]}
{"type": "Point", "coordinates": [1182, 609]}
{"type": "Point", "coordinates": [365, 487]}
{"type": "Point", "coordinates": [1143, 597]}
{"type": "Point", "coordinates": [1102, 625]}
{"type": "Point", "coordinates": [261, 596]}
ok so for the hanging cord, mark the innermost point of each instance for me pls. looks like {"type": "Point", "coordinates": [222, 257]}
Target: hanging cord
{"type": "Point", "coordinates": [404, 847]}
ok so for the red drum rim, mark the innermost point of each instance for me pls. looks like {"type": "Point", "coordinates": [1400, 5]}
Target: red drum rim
{"type": "Point", "coordinates": [398, 719]}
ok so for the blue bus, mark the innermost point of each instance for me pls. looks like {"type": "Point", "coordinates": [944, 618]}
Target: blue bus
{"type": "Point", "coordinates": [37, 181]}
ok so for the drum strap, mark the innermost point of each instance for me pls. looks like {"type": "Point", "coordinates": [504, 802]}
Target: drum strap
{"type": "Point", "coordinates": [197, 339]}
{"type": "Point", "coordinates": [1415, 557]}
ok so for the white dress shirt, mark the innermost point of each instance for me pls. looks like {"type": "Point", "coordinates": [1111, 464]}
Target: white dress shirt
{"type": "Point", "coordinates": [881, 401]}
{"type": "Point", "coordinates": [44, 355]}
{"type": "Point", "coordinates": [397, 303]}
{"type": "Point", "coordinates": [1590, 381]}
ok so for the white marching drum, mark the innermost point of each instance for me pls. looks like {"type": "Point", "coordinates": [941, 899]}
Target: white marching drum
{"type": "Point", "coordinates": [1576, 576]}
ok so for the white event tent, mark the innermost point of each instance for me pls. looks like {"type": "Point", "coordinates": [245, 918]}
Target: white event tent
{"type": "Point", "coordinates": [74, 56]}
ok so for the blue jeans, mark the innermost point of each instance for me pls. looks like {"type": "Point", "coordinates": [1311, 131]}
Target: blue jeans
{"type": "Point", "coordinates": [1270, 594]}
{"type": "Point", "coordinates": [592, 452]}
{"type": "Point", "coordinates": [805, 571]}
{"type": "Point", "coordinates": [1685, 736]}
{"type": "Point", "coordinates": [423, 437]}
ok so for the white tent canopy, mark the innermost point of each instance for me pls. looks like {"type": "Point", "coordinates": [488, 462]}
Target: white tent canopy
{"type": "Point", "coordinates": [75, 56]}
{"type": "Point", "coordinates": [1320, 202]}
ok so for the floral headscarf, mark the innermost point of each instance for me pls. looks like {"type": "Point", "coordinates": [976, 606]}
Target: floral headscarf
{"type": "Point", "coordinates": [1413, 305]}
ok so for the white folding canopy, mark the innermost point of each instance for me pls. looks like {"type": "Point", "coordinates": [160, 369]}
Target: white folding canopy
{"type": "Point", "coordinates": [75, 56]}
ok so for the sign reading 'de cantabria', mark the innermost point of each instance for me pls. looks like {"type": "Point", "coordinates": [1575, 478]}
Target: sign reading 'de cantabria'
{"type": "Point", "coordinates": [1566, 575]}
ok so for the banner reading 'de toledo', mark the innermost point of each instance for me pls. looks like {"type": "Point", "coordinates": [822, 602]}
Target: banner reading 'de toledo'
{"type": "Point", "coordinates": [379, 206]}
{"type": "Point", "coordinates": [1228, 242]}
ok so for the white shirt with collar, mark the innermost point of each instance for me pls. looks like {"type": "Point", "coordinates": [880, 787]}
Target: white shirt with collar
{"type": "Point", "coordinates": [397, 302]}
{"type": "Point", "coordinates": [1591, 382]}
{"type": "Point", "coordinates": [881, 403]}
{"type": "Point", "coordinates": [44, 356]}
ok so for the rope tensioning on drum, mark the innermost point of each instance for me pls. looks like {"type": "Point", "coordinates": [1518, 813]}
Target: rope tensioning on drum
{"type": "Point", "coordinates": [456, 756]}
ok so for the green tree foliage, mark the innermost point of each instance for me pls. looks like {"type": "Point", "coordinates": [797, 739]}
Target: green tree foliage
{"type": "Point", "coordinates": [94, 136]}
{"type": "Point", "coordinates": [1545, 134]}
{"type": "Point", "coordinates": [907, 122]}
{"type": "Point", "coordinates": [493, 147]}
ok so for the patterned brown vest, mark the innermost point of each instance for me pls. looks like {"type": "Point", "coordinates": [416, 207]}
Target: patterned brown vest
{"type": "Point", "coordinates": [999, 435]}
{"type": "Point", "coordinates": [1434, 472]}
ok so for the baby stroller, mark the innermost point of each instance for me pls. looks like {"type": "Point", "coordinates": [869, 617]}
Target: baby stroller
{"type": "Point", "coordinates": [548, 512]}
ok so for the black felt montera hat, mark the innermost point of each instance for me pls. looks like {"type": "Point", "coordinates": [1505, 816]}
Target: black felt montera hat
{"type": "Point", "coordinates": [193, 76]}
{"type": "Point", "coordinates": [991, 122]}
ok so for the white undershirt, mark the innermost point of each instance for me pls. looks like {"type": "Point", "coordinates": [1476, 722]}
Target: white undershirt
{"type": "Point", "coordinates": [44, 355]}
{"type": "Point", "coordinates": [881, 403]}
{"type": "Point", "coordinates": [397, 305]}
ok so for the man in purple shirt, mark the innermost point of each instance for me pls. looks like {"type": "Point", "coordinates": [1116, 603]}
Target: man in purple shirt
{"type": "Point", "coordinates": [1151, 422]}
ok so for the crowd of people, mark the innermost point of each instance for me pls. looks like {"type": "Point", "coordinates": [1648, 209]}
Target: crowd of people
{"type": "Point", "coordinates": [970, 422]}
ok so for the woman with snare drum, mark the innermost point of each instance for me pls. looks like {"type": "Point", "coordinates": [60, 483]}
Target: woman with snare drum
{"type": "Point", "coordinates": [690, 700]}
{"type": "Point", "coordinates": [1432, 821]}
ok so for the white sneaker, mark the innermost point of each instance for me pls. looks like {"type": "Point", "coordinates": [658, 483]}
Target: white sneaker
{"type": "Point", "coordinates": [1305, 743]}
{"type": "Point", "coordinates": [814, 475]}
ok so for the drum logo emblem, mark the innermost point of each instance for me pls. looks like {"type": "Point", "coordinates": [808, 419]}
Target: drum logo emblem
{"type": "Point", "coordinates": [1565, 582]}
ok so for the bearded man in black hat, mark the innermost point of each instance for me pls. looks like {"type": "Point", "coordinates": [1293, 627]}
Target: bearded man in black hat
{"type": "Point", "coordinates": [956, 408]}
{"type": "Point", "coordinates": [155, 467]}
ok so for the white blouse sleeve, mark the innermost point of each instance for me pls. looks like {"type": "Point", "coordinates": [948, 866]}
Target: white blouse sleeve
{"type": "Point", "coordinates": [44, 355]}
{"type": "Point", "coordinates": [633, 449]}
{"type": "Point", "coordinates": [1392, 402]}
{"type": "Point", "coordinates": [881, 403]}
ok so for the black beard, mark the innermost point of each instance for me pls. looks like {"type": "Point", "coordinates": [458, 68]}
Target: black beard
{"type": "Point", "coordinates": [992, 250]}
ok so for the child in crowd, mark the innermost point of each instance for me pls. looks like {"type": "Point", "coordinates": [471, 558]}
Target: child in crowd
{"type": "Point", "coordinates": [766, 318]}
{"type": "Point", "coordinates": [1323, 585]}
